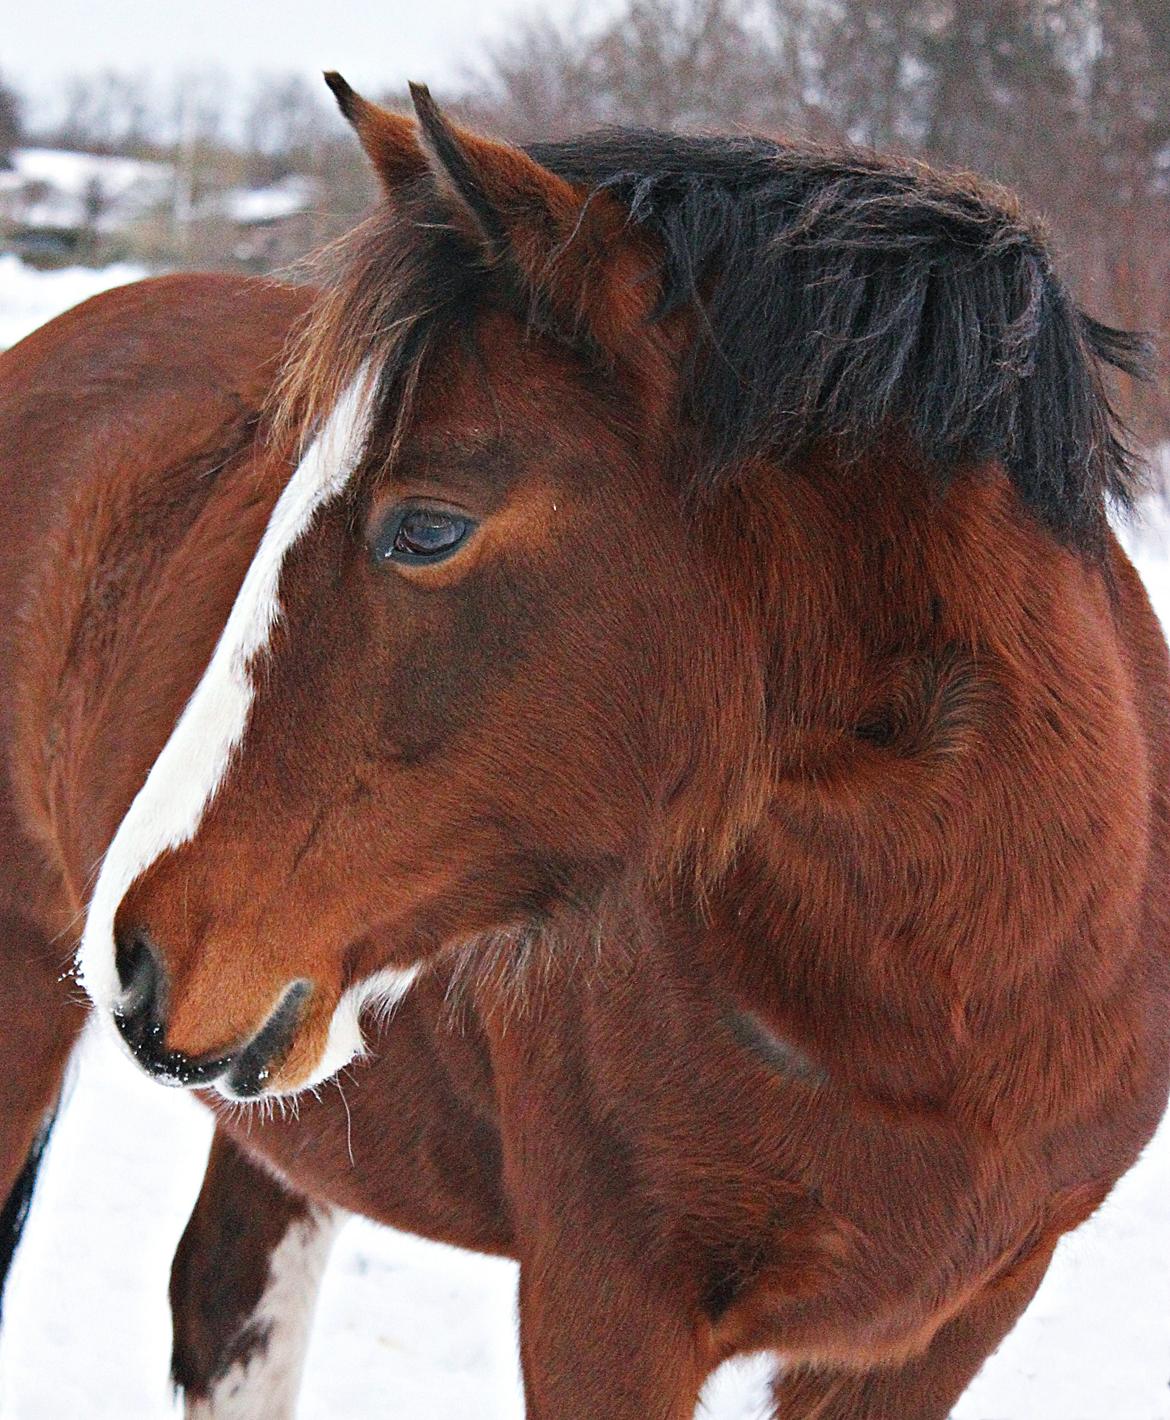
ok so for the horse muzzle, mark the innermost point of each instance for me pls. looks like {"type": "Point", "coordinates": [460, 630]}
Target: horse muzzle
{"type": "Point", "coordinates": [241, 1072]}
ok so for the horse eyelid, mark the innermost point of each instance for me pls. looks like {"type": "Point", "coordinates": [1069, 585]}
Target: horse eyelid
{"type": "Point", "coordinates": [382, 549]}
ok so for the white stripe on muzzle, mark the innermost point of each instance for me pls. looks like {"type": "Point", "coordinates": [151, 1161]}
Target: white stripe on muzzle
{"type": "Point", "coordinates": [184, 779]}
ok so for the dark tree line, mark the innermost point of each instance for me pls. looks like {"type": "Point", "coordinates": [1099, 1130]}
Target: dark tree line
{"type": "Point", "coordinates": [11, 126]}
{"type": "Point", "coordinates": [1068, 101]}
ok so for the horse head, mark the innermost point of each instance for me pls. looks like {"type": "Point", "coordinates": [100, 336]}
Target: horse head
{"type": "Point", "coordinates": [483, 664]}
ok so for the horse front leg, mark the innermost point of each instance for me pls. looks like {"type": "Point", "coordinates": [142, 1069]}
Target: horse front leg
{"type": "Point", "coordinates": [42, 1020]}
{"type": "Point", "coordinates": [925, 1387]}
{"type": "Point", "coordinates": [599, 1337]}
{"type": "Point", "coordinates": [243, 1288]}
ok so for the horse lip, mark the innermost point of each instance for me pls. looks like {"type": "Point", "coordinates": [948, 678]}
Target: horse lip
{"type": "Point", "coordinates": [241, 1074]}
{"type": "Point", "coordinates": [249, 1071]}
{"type": "Point", "coordinates": [168, 1067]}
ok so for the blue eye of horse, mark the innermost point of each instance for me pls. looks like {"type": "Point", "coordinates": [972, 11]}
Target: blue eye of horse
{"type": "Point", "coordinates": [423, 535]}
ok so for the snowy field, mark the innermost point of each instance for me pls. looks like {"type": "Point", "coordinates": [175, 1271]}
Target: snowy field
{"type": "Point", "coordinates": [422, 1332]}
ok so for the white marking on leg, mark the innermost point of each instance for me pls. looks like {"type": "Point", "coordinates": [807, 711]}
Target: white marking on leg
{"type": "Point", "coordinates": [184, 779]}
{"type": "Point", "coordinates": [263, 1385]}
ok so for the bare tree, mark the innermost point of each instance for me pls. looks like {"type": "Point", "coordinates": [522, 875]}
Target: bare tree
{"type": "Point", "coordinates": [685, 64]}
{"type": "Point", "coordinates": [11, 124]}
{"type": "Point", "coordinates": [285, 124]}
{"type": "Point", "coordinates": [110, 112]}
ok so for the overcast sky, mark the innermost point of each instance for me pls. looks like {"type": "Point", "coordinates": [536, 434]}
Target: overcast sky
{"type": "Point", "coordinates": [375, 43]}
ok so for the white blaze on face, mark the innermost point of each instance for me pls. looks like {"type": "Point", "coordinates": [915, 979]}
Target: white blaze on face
{"type": "Point", "coordinates": [170, 806]}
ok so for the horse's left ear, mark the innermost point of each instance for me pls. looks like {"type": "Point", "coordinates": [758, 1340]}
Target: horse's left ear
{"type": "Point", "coordinates": [390, 139]}
{"type": "Point", "coordinates": [572, 250]}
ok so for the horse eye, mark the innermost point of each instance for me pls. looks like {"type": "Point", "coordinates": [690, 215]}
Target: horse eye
{"type": "Point", "coordinates": [421, 535]}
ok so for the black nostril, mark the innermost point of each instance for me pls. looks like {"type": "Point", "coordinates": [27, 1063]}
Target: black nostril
{"type": "Point", "coordinates": [260, 1059]}
{"type": "Point", "coordinates": [140, 977]}
{"type": "Point", "coordinates": [139, 1015]}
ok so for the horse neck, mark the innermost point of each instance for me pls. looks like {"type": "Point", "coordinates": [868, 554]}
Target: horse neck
{"type": "Point", "coordinates": [867, 917]}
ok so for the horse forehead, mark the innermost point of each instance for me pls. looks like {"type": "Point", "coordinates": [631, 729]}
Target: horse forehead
{"type": "Point", "coordinates": [481, 460]}
{"type": "Point", "coordinates": [505, 377]}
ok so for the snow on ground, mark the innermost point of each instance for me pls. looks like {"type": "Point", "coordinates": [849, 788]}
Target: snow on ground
{"type": "Point", "coordinates": [426, 1332]}
{"type": "Point", "coordinates": [28, 298]}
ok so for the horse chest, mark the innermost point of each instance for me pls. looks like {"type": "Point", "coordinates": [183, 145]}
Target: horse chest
{"type": "Point", "coordinates": [749, 1175]}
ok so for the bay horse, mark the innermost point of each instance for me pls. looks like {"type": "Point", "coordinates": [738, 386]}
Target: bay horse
{"type": "Point", "coordinates": [634, 670]}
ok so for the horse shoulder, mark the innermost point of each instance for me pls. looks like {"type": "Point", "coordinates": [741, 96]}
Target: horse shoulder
{"type": "Point", "coordinates": [135, 487]}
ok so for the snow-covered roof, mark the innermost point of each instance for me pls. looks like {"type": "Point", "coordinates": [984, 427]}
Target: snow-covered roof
{"type": "Point", "coordinates": [52, 187]}
{"type": "Point", "coordinates": [251, 206]}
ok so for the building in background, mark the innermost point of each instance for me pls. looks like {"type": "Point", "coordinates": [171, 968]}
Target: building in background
{"type": "Point", "coordinates": [59, 207]}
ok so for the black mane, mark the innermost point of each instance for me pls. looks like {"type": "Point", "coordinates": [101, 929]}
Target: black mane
{"type": "Point", "coordinates": [846, 294]}
{"type": "Point", "coordinates": [845, 299]}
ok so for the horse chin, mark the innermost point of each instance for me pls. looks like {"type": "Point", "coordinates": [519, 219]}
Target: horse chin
{"type": "Point", "coordinates": [343, 1042]}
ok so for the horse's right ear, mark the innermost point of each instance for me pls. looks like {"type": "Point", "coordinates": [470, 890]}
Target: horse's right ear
{"type": "Point", "coordinates": [573, 255]}
{"type": "Point", "coordinates": [390, 139]}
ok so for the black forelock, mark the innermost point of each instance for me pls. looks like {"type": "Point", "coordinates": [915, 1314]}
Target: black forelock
{"type": "Point", "coordinates": [842, 300]}
{"type": "Point", "coordinates": [844, 296]}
